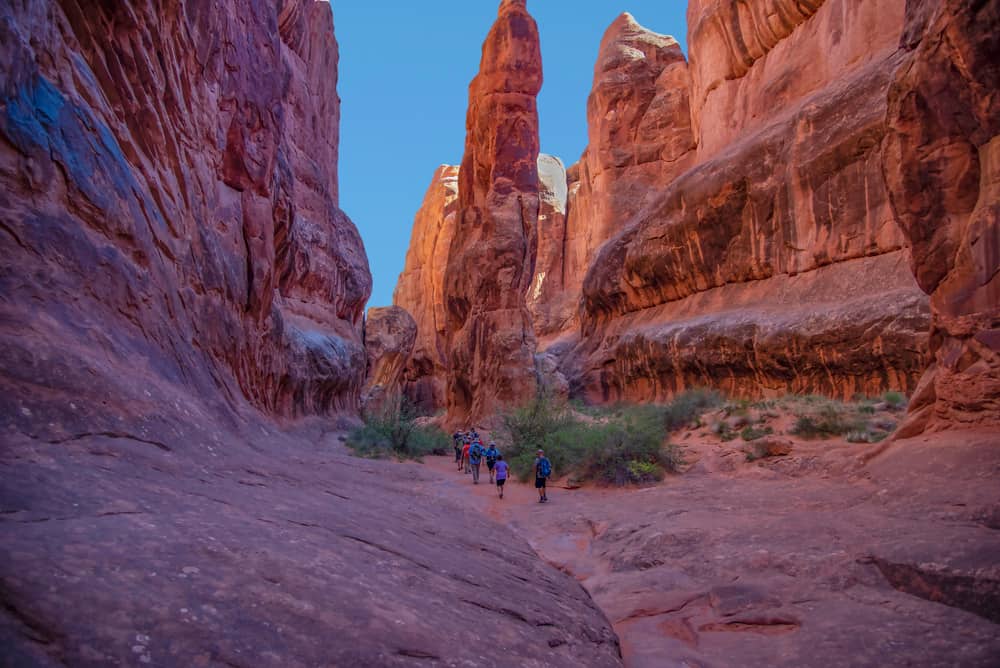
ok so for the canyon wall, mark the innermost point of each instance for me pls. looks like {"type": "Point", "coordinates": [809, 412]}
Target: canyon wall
{"type": "Point", "coordinates": [490, 340]}
{"type": "Point", "coordinates": [420, 291]}
{"type": "Point", "coordinates": [770, 262]}
{"type": "Point", "coordinates": [942, 165]}
{"type": "Point", "coordinates": [390, 334]}
{"type": "Point", "coordinates": [170, 211]}
{"type": "Point", "coordinates": [177, 284]}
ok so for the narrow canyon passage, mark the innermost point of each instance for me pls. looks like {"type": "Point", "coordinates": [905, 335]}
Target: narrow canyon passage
{"type": "Point", "coordinates": [810, 560]}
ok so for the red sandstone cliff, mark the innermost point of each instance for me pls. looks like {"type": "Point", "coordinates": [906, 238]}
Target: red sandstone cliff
{"type": "Point", "coordinates": [420, 290]}
{"type": "Point", "coordinates": [177, 280]}
{"type": "Point", "coordinates": [490, 339]}
{"type": "Point", "coordinates": [170, 210]}
{"type": "Point", "coordinates": [942, 165]}
{"type": "Point", "coordinates": [772, 263]}
{"type": "Point", "coordinates": [729, 222]}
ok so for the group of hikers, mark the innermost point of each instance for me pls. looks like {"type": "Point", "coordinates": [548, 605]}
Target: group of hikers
{"type": "Point", "coordinates": [470, 453]}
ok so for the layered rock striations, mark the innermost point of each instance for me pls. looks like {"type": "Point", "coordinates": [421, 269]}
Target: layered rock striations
{"type": "Point", "coordinates": [772, 263]}
{"type": "Point", "coordinates": [170, 208]}
{"type": "Point", "coordinates": [942, 165]}
{"type": "Point", "coordinates": [491, 341]}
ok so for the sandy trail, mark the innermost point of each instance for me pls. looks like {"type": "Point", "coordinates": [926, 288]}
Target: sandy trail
{"type": "Point", "coordinates": [807, 560]}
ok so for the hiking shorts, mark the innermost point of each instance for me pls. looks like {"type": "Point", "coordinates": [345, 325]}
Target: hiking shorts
{"type": "Point", "coordinates": [539, 483]}
{"type": "Point", "coordinates": [490, 464]}
{"type": "Point", "coordinates": [501, 481]}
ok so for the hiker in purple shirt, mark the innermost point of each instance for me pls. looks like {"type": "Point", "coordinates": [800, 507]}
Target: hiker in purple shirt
{"type": "Point", "coordinates": [500, 471]}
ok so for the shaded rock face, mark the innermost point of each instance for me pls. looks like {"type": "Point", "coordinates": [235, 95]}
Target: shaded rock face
{"type": "Point", "coordinates": [420, 290]}
{"type": "Point", "coordinates": [170, 211]}
{"type": "Point", "coordinates": [942, 165]}
{"type": "Point", "coordinates": [773, 263]}
{"type": "Point", "coordinates": [389, 337]}
{"type": "Point", "coordinates": [490, 265]}
{"type": "Point", "coordinates": [550, 309]}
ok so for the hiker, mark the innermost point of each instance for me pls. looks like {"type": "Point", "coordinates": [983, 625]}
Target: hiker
{"type": "Point", "coordinates": [501, 471]}
{"type": "Point", "coordinates": [465, 458]}
{"type": "Point", "coordinates": [492, 455]}
{"type": "Point", "coordinates": [475, 459]}
{"type": "Point", "coordinates": [543, 469]}
{"type": "Point", "coordinates": [457, 442]}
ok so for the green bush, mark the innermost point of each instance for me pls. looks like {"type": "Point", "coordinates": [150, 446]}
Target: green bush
{"type": "Point", "coordinates": [688, 407]}
{"type": "Point", "coordinates": [394, 430]}
{"type": "Point", "coordinates": [896, 400]}
{"type": "Point", "coordinates": [625, 446]}
{"type": "Point", "coordinates": [829, 419]}
{"type": "Point", "coordinates": [754, 433]}
{"type": "Point", "coordinates": [725, 431]}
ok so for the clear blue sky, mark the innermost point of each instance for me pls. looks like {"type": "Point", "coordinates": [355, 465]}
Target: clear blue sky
{"type": "Point", "coordinates": [405, 69]}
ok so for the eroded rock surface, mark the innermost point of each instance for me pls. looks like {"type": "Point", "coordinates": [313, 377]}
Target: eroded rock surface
{"type": "Point", "coordinates": [491, 341]}
{"type": "Point", "coordinates": [773, 263]}
{"type": "Point", "coordinates": [252, 546]}
{"type": "Point", "coordinates": [942, 164]}
{"type": "Point", "coordinates": [639, 127]}
{"type": "Point", "coordinates": [390, 333]}
{"type": "Point", "coordinates": [170, 209]}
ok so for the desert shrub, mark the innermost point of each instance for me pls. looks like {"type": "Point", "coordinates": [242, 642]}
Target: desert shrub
{"type": "Point", "coordinates": [826, 420]}
{"type": "Point", "coordinates": [751, 433]}
{"type": "Point", "coordinates": [396, 430]}
{"type": "Point", "coordinates": [896, 400]}
{"type": "Point", "coordinates": [688, 407]}
{"type": "Point", "coordinates": [623, 446]}
{"type": "Point", "coordinates": [724, 431]}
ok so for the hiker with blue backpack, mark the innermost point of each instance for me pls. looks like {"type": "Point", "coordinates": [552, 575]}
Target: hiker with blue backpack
{"type": "Point", "coordinates": [492, 455]}
{"type": "Point", "coordinates": [543, 469]}
{"type": "Point", "coordinates": [475, 459]}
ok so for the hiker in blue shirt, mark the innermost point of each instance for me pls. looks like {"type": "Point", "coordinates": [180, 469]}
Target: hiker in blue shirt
{"type": "Point", "coordinates": [475, 459]}
{"type": "Point", "coordinates": [492, 455]}
{"type": "Point", "coordinates": [543, 469]}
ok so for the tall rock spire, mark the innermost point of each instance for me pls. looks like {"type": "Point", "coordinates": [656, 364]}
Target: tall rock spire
{"type": "Point", "coordinates": [492, 254]}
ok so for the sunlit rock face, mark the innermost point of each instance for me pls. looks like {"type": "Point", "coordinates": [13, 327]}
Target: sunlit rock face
{"type": "Point", "coordinates": [942, 165]}
{"type": "Point", "coordinates": [771, 262]}
{"type": "Point", "coordinates": [420, 290]}
{"type": "Point", "coordinates": [491, 342]}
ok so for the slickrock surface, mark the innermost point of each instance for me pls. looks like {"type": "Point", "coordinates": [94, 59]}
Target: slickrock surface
{"type": "Point", "coordinates": [491, 343]}
{"type": "Point", "coordinates": [390, 333]}
{"type": "Point", "coordinates": [942, 164]}
{"type": "Point", "coordinates": [175, 276]}
{"type": "Point", "coordinates": [773, 264]}
{"type": "Point", "coordinates": [800, 561]}
{"type": "Point", "coordinates": [249, 546]}
{"type": "Point", "coordinates": [169, 210]}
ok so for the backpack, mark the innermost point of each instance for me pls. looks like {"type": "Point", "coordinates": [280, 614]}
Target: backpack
{"type": "Point", "coordinates": [544, 467]}
{"type": "Point", "coordinates": [491, 455]}
{"type": "Point", "coordinates": [475, 452]}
